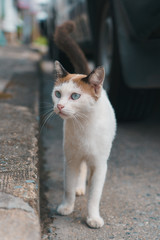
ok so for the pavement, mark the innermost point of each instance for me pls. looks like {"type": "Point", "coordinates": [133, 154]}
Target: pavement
{"type": "Point", "coordinates": [130, 203]}
{"type": "Point", "coordinates": [19, 178]}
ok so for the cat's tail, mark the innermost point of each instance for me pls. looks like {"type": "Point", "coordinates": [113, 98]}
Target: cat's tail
{"type": "Point", "coordinates": [65, 42]}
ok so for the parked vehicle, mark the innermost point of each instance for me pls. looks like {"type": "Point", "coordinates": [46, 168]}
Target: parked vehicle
{"type": "Point", "coordinates": [124, 37]}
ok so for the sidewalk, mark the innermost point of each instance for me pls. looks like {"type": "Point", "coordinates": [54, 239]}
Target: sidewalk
{"type": "Point", "coordinates": [19, 183]}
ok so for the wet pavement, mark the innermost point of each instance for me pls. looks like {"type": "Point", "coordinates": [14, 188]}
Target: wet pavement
{"type": "Point", "coordinates": [130, 203]}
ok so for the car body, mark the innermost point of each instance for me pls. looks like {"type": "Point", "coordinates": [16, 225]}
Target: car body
{"type": "Point", "coordinates": [138, 32]}
{"type": "Point", "coordinates": [124, 36]}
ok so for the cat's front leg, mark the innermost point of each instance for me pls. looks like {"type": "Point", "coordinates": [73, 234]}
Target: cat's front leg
{"type": "Point", "coordinates": [94, 219]}
{"type": "Point", "coordinates": [70, 181]}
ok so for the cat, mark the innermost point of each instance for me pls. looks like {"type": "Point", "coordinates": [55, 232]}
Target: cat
{"type": "Point", "coordinates": [89, 130]}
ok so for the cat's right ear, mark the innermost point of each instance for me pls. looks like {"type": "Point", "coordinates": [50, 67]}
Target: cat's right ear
{"type": "Point", "coordinates": [59, 70]}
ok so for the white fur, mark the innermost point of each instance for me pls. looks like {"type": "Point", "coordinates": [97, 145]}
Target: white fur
{"type": "Point", "coordinates": [89, 129]}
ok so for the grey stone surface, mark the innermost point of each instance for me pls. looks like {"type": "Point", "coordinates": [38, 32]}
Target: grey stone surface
{"type": "Point", "coordinates": [16, 224]}
{"type": "Point", "coordinates": [130, 203]}
{"type": "Point", "coordinates": [19, 180]}
{"type": "Point", "coordinates": [8, 201]}
{"type": "Point", "coordinates": [13, 60]}
{"type": "Point", "coordinates": [18, 220]}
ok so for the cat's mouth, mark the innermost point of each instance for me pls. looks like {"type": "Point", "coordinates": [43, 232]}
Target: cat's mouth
{"type": "Point", "coordinates": [63, 115]}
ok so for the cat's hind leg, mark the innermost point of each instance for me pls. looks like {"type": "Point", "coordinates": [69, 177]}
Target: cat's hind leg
{"type": "Point", "coordinates": [70, 182]}
{"type": "Point", "coordinates": [81, 183]}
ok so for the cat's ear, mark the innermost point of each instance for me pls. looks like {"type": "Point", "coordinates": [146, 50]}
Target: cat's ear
{"type": "Point", "coordinates": [59, 70]}
{"type": "Point", "coordinates": [95, 79]}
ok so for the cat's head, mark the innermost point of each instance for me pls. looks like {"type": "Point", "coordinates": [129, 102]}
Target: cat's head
{"type": "Point", "coordinates": [74, 95]}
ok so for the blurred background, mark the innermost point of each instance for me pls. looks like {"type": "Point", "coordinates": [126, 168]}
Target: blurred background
{"type": "Point", "coordinates": [21, 20]}
{"type": "Point", "coordinates": [123, 36]}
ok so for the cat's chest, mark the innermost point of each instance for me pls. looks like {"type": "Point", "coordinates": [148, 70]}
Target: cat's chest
{"type": "Point", "coordinates": [84, 138]}
{"type": "Point", "coordinates": [77, 135]}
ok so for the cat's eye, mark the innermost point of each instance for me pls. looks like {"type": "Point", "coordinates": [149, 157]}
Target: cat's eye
{"type": "Point", "coordinates": [58, 94]}
{"type": "Point", "coordinates": [75, 96]}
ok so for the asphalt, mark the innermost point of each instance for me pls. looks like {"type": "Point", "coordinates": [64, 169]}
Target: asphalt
{"type": "Point", "coordinates": [130, 203]}
{"type": "Point", "coordinates": [19, 174]}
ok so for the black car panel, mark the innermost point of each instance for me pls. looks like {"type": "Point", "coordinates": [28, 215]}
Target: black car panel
{"type": "Point", "coordinates": [140, 57]}
{"type": "Point", "coordinates": [144, 16]}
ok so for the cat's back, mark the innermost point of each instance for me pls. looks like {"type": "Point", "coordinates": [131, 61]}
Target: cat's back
{"type": "Point", "coordinates": [106, 112]}
{"type": "Point", "coordinates": [105, 121]}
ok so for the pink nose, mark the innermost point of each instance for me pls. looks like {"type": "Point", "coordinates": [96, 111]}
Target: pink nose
{"type": "Point", "coordinates": [60, 106]}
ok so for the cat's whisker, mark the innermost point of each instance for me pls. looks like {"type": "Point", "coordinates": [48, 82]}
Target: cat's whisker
{"type": "Point", "coordinates": [44, 113]}
{"type": "Point", "coordinates": [82, 116]}
{"type": "Point", "coordinates": [81, 113]}
{"type": "Point", "coordinates": [46, 120]}
{"type": "Point", "coordinates": [49, 115]}
{"type": "Point", "coordinates": [74, 123]}
{"type": "Point", "coordinates": [45, 116]}
{"type": "Point", "coordinates": [69, 111]}
{"type": "Point", "coordinates": [43, 109]}
{"type": "Point", "coordinates": [79, 124]}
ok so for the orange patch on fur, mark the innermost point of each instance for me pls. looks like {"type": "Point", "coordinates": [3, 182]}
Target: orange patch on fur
{"type": "Point", "coordinates": [67, 78]}
{"type": "Point", "coordinates": [77, 78]}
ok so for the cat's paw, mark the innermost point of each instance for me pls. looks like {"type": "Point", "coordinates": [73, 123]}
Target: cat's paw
{"type": "Point", "coordinates": [96, 222]}
{"type": "Point", "coordinates": [65, 209]}
{"type": "Point", "coordinates": [80, 191]}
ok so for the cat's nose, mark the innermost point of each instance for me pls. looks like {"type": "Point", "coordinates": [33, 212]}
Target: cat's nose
{"type": "Point", "coordinates": [60, 106]}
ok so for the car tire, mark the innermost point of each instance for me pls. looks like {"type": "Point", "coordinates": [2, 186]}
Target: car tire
{"type": "Point", "coordinates": [129, 104]}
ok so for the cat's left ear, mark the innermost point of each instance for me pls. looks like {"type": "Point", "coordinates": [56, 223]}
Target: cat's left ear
{"type": "Point", "coordinates": [59, 70]}
{"type": "Point", "coordinates": [96, 79]}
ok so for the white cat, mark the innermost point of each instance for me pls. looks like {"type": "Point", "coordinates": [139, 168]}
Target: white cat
{"type": "Point", "coordinates": [89, 129]}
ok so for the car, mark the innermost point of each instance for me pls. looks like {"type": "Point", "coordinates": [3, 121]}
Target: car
{"type": "Point", "coordinates": [124, 37]}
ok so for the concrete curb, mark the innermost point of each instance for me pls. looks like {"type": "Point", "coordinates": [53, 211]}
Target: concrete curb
{"type": "Point", "coordinates": [19, 178]}
{"type": "Point", "coordinates": [18, 220]}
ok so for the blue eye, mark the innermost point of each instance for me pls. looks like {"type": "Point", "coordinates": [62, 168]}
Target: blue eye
{"type": "Point", "coordinates": [75, 96]}
{"type": "Point", "coordinates": [58, 94]}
